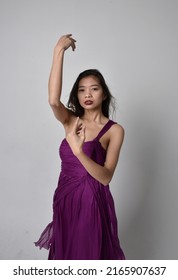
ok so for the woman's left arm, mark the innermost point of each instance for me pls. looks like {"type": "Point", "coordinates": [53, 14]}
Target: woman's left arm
{"type": "Point", "coordinates": [103, 174]}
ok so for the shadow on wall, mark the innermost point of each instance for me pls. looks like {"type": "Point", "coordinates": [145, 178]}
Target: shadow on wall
{"type": "Point", "coordinates": [139, 238]}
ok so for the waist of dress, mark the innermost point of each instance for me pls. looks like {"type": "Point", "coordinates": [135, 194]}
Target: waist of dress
{"type": "Point", "coordinates": [73, 169]}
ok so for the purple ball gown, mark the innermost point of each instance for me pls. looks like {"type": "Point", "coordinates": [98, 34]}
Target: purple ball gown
{"type": "Point", "coordinates": [84, 225]}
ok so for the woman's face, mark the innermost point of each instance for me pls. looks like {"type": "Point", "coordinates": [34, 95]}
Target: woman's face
{"type": "Point", "coordinates": [90, 93]}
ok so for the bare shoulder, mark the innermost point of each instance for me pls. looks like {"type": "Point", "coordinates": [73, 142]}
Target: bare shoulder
{"type": "Point", "coordinates": [116, 135]}
{"type": "Point", "coordinates": [117, 130]}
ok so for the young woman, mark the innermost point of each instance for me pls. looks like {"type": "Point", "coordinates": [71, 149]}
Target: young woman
{"type": "Point", "coordinates": [84, 225]}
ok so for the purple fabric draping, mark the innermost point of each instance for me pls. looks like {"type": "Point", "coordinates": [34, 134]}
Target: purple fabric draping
{"type": "Point", "coordinates": [84, 225]}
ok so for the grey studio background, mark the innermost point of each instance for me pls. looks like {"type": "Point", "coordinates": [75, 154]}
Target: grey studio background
{"type": "Point", "coordinates": [134, 44]}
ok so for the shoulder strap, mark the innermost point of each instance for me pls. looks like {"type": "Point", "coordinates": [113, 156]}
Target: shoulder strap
{"type": "Point", "coordinates": [105, 128]}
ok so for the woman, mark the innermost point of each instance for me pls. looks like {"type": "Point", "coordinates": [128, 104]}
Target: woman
{"type": "Point", "coordinates": [84, 223]}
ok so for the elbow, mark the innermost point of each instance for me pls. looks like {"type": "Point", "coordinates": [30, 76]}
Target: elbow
{"type": "Point", "coordinates": [53, 103]}
{"type": "Point", "coordinates": [108, 174]}
{"type": "Point", "coordinates": [106, 180]}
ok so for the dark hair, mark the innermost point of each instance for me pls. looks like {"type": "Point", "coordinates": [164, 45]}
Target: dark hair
{"type": "Point", "coordinates": [73, 102]}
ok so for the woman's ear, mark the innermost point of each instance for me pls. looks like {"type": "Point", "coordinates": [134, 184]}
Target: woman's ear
{"type": "Point", "coordinates": [104, 97]}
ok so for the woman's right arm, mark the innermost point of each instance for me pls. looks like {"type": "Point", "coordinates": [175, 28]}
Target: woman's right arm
{"type": "Point", "coordinates": [55, 79]}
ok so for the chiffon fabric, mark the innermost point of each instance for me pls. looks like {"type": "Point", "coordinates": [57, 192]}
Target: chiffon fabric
{"type": "Point", "coordinates": [84, 225]}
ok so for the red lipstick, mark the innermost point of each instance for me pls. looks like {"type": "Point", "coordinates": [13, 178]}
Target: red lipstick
{"type": "Point", "coordinates": [88, 102]}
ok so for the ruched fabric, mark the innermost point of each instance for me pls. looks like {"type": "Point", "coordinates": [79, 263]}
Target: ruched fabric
{"type": "Point", "coordinates": [84, 225]}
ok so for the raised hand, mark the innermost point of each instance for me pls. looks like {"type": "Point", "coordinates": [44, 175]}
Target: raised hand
{"type": "Point", "coordinates": [76, 137]}
{"type": "Point", "coordinates": [65, 42]}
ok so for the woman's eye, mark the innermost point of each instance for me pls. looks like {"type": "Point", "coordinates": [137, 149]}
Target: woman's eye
{"type": "Point", "coordinates": [95, 89]}
{"type": "Point", "coordinates": [81, 90]}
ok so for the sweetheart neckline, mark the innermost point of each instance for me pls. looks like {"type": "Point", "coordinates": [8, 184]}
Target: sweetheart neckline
{"type": "Point", "coordinates": [99, 135]}
{"type": "Point", "coordinates": [89, 141]}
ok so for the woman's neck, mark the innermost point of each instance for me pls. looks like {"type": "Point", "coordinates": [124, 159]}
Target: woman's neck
{"type": "Point", "coordinates": [96, 117]}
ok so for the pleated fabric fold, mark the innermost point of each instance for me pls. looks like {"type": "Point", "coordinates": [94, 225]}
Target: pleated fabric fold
{"type": "Point", "coordinates": [84, 224]}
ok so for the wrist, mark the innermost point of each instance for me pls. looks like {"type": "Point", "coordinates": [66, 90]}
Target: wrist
{"type": "Point", "coordinates": [58, 52]}
{"type": "Point", "coordinates": [79, 153]}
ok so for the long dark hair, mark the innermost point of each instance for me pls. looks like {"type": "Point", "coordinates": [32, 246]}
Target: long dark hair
{"type": "Point", "coordinates": [73, 102]}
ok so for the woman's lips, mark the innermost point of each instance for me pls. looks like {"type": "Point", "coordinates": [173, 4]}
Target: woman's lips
{"type": "Point", "coordinates": [88, 102]}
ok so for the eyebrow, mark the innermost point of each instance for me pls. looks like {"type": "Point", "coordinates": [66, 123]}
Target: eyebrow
{"type": "Point", "coordinates": [90, 86]}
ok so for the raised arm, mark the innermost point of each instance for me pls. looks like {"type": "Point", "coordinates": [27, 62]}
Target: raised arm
{"type": "Point", "coordinates": [55, 79]}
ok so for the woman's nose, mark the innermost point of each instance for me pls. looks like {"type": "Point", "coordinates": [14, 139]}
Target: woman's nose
{"type": "Point", "coordinates": [88, 93]}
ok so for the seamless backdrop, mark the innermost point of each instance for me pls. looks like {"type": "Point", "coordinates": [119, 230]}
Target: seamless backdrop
{"type": "Point", "coordinates": [134, 44]}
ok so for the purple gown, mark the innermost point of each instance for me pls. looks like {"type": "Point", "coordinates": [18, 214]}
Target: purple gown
{"type": "Point", "coordinates": [84, 225]}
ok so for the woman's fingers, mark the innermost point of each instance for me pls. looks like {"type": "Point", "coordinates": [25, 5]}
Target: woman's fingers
{"type": "Point", "coordinates": [68, 35]}
{"type": "Point", "coordinates": [77, 127]}
{"type": "Point", "coordinates": [76, 136]}
{"type": "Point", "coordinates": [73, 41]}
{"type": "Point", "coordinates": [66, 41]}
{"type": "Point", "coordinates": [82, 133]}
